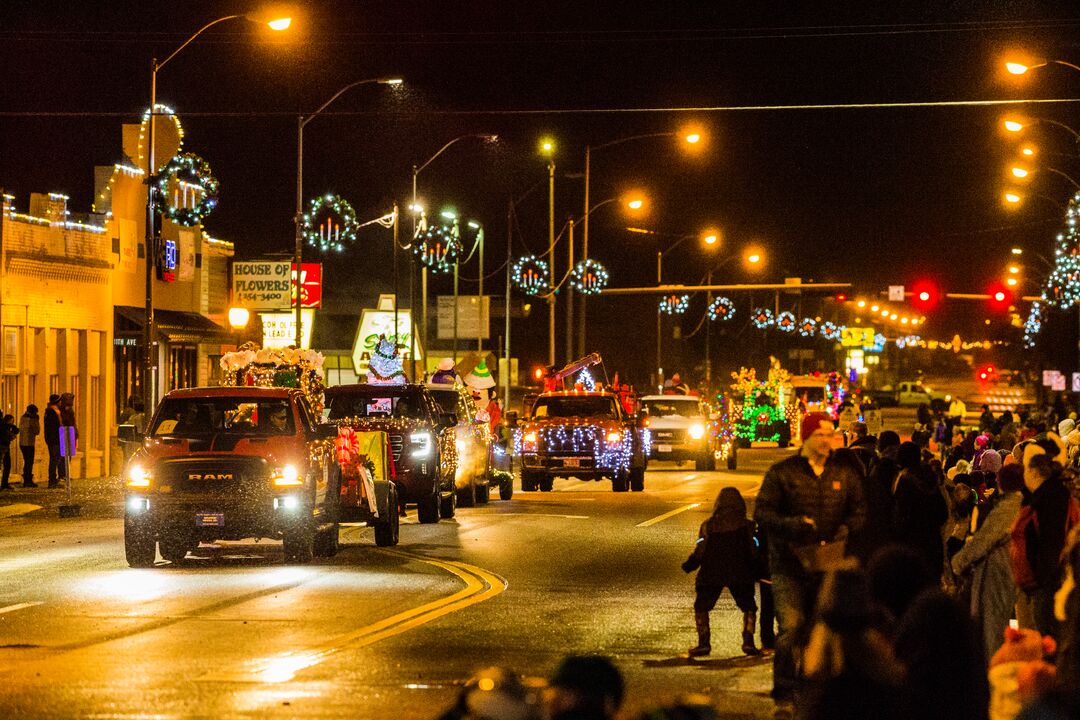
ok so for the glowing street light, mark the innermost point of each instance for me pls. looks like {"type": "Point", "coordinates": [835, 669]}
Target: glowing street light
{"type": "Point", "coordinates": [1017, 251]}
{"type": "Point", "coordinates": [1019, 172]}
{"type": "Point", "coordinates": [635, 204]}
{"type": "Point", "coordinates": [1013, 125]}
{"type": "Point", "coordinates": [239, 317]}
{"type": "Point", "coordinates": [1013, 198]}
{"type": "Point", "coordinates": [1016, 68]}
{"type": "Point", "coordinates": [1014, 269]}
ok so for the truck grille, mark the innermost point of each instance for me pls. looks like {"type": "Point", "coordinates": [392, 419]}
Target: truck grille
{"type": "Point", "coordinates": [212, 475]}
{"type": "Point", "coordinates": [396, 443]}
{"type": "Point", "coordinates": [669, 437]}
{"type": "Point", "coordinates": [569, 440]}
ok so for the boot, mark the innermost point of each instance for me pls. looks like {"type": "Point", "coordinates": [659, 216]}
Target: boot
{"type": "Point", "coordinates": [749, 624]}
{"type": "Point", "coordinates": [701, 620]}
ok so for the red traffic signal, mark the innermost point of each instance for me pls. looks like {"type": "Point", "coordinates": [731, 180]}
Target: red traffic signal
{"type": "Point", "coordinates": [538, 373]}
{"type": "Point", "coordinates": [987, 373]}
{"type": "Point", "coordinates": [841, 297]}
{"type": "Point", "coordinates": [925, 295]}
{"type": "Point", "coordinates": [1000, 297]}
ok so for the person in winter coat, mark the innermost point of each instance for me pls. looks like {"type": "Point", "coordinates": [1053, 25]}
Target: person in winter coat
{"type": "Point", "coordinates": [29, 429]}
{"type": "Point", "coordinates": [52, 440]}
{"type": "Point", "coordinates": [1044, 537]}
{"type": "Point", "coordinates": [919, 510]}
{"type": "Point", "coordinates": [724, 557]}
{"type": "Point", "coordinates": [807, 504]}
{"type": "Point", "coordinates": [8, 431]}
{"type": "Point", "coordinates": [986, 557]}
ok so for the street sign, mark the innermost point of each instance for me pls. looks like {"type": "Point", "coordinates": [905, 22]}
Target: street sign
{"type": "Point", "coordinates": [1049, 377]}
{"type": "Point", "coordinates": [1059, 383]}
{"type": "Point", "coordinates": [68, 442]}
{"type": "Point", "coordinates": [473, 317]}
{"type": "Point", "coordinates": [267, 285]}
{"type": "Point", "coordinates": [279, 329]}
{"type": "Point", "coordinates": [896, 293]}
{"type": "Point", "coordinates": [1076, 382]}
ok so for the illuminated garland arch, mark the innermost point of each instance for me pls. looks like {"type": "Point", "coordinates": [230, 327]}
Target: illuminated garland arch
{"type": "Point", "coordinates": [144, 127]}
{"type": "Point", "coordinates": [785, 322]}
{"type": "Point", "coordinates": [335, 237]}
{"type": "Point", "coordinates": [762, 318]}
{"type": "Point", "coordinates": [438, 247]}
{"type": "Point", "coordinates": [675, 304]}
{"type": "Point", "coordinates": [721, 309]}
{"type": "Point", "coordinates": [191, 169]}
{"type": "Point", "coordinates": [530, 274]}
{"type": "Point", "coordinates": [589, 277]}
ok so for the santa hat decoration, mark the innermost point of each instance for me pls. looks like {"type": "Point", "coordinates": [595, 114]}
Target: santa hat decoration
{"type": "Point", "coordinates": [480, 377]}
{"type": "Point", "coordinates": [385, 367]}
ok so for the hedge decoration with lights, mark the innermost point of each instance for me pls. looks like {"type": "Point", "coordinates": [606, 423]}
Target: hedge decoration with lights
{"type": "Point", "coordinates": [329, 223]}
{"type": "Point", "coordinates": [589, 277]}
{"type": "Point", "coordinates": [186, 172]}
{"type": "Point", "coordinates": [530, 274]}
{"type": "Point", "coordinates": [721, 309]}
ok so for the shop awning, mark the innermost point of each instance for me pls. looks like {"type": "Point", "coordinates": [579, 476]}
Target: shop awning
{"type": "Point", "coordinates": [173, 325]}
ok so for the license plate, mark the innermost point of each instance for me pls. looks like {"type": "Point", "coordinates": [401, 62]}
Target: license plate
{"type": "Point", "coordinates": [210, 519]}
{"type": "Point", "coordinates": [663, 448]}
{"type": "Point", "coordinates": [571, 462]}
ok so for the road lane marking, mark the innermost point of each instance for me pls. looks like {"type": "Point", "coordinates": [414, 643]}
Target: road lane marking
{"type": "Point", "coordinates": [19, 606]}
{"type": "Point", "coordinates": [480, 585]}
{"type": "Point", "coordinates": [554, 515]}
{"type": "Point", "coordinates": [15, 509]}
{"type": "Point", "coordinates": [665, 516]}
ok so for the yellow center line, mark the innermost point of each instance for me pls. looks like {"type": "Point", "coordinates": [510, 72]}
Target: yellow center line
{"type": "Point", "coordinates": [480, 585]}
{"type": "Point", "coordinates": [665, 516]}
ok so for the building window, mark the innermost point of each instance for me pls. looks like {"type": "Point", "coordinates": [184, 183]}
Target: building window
{"type": "Point", "coordinates": [54, 384]}
{"type": "Point", "coordinates": [183, 366]}
{"type": "Point", "coordinates": [9, 395]}
{"type": "Point", "coordinates": [127, 362]}
{"type": "Point", "coordinates": [10, 350]}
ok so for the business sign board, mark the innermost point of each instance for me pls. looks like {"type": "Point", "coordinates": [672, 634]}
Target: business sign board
{"type": "Point", "coordinates": [380, 321]}
{"type": "Point", "coordinates": [279, 329]}
{"type": "Point", "coordinates": [896, 293]}
{"type": "Point", "coordinates": [857, 337]}
{"type": "Point", "coordinates": [473, 320]}
{"type": "Point", "coordinates": [268, 285]}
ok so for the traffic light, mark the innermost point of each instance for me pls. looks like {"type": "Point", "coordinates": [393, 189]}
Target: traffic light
{"type": "Point", "coordinates": [987, 373]}
{"type": "Point", "coordinates": [841, 297]}
{"type": "Point", "coordinates": [538, 374]}
{"type": "Point", "coordinates": [1000, 297]}
{"type": "Point", "coordinates": [925, 295]}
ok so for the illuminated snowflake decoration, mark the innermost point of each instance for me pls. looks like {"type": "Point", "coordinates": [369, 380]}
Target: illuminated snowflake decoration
{"type": "Point", "coordinates": [721, 309]}
{"type": "Point", "coordinates": [785, 322]}
{"type": "Point", "coordinates": [530, 274]}
{"type": "Point", "coordinates": [807, 327]}
{"type": "Point", "coordinates": [674, 304]}
{"type": "Point", "coordinates": [829, 330]}
{"type": "Point", "coordinates": [589, 277]}
{"type": "Point", "coordinates": [762, 318]}
{"type": "Point", "coordinates": [1033, 324]}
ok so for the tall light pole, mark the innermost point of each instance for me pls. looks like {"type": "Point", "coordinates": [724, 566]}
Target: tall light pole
{"type": "Point", "coordinates": [547, 147]}
{"type": "Point", "coordinates": [416, 210]}
{"type": "Point", "coordinates": [298, 250]}
{"type": "Point", "coordinates": [149, 391]}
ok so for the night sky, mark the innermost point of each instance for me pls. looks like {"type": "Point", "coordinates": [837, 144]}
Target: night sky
{"type": "Point", "coordinates": [873, 196]}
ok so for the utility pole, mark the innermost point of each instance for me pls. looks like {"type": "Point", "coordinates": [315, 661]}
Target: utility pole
{"type": "Point", "coordinates": [570, 296]}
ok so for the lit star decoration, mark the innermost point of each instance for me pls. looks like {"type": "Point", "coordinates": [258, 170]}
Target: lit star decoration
{"type": "Point", "coordinates": [829, 330]}
{"type": "Point", "coordinates": [807, 327]}
{"type": "Point", "coordinates": [763, 318]}
{"type": "Point", "coordinates": [721, 309]}
{"type": "Point", "coordinates": [589, 277]}
{"type": "Point", "coordinates": [530, 274]}
{"type": "Point", "coordinates": [785, 322]}
{"type": "Point", "coordinates": [329, 223]}
{"type": "Point", "coordinates": [194, 190]}
{"type": "Point", "coordinates": [438, 247]}
{"type": "Point", "coordinates": [674, 304]}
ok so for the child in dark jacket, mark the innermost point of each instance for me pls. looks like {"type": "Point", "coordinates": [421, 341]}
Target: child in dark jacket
{"type": "Point", "coordinates": [724, 557]}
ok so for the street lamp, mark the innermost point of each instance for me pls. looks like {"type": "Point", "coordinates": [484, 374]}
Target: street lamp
{"type": "Point", "coordinates": [149, 391]}
{"type": "Point", "coordinates": [1015, 67]}
{"type": "Point", "coordinates": [417, 211]}
{"type": "Point", "coordinates": [547, 147]}
{"type": "Point", "coordinates": [298, 250]}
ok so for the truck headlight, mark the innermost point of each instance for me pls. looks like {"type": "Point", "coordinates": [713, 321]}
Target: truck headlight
{"type": "Point", "coordinates": [697, 431]}
{"type": "Point", "coordinates": [614, 437]}
{"type": "Point", "coordinates": [528, 442]}
{"type": "Point", "coordinates": [422, 441]}
{"type": "Point", "coordinates": [286, 476]}
{"type": "Point", "coordinates": [138, 477]}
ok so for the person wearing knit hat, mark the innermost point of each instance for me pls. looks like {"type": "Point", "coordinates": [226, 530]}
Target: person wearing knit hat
{"type": "Point", "coordinates": [807, 505]}
{"type": "Point", "coordinates": [1066, 426]}
{"type": "Point", "coordinates": [445, 374]}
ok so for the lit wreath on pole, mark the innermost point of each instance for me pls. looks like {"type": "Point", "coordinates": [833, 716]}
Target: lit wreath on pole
{"type": "Point", "coordinates": [530, 274]}
{"type": "Point", "coordinates": [190, 173]}
{"type": "Point", "coordinates": [589, 277]}
{"type": "Point", "coordinates": [317, 226]}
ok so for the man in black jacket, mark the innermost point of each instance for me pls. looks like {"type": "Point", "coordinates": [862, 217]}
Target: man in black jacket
{"type": "Point", "coordinates": [805, 503]}
{"type": "Point", "coordinates": [52, 441]}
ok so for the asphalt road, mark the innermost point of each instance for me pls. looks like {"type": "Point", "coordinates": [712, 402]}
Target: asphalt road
{"type": "Point", "coordinates": [371, 633]}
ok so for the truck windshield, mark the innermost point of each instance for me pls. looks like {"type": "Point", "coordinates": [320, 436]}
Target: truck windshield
{"type": "Point", "coordinates": [386, 405]}
{"type": "Point", "coordinates": [575, 406]}
{"type": "Point", "coordinates": [671, 408]}
{"type": "Point", "coordinates": [201, 416]}
{"type": "Point", "coordinates": [447, 399]}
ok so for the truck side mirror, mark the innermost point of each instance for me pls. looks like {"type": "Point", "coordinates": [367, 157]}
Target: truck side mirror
{"type": "Point", "coordinates": [128, 433]}
{"type": "Point", "coordinates": [326, 431]}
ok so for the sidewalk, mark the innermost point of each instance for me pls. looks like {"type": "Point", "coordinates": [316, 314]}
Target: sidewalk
{"type": "Point", "coordinates": [100, 497]}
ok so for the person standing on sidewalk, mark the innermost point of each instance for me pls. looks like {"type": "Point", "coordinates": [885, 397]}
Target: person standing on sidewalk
{"type": "Point", "coordinates": [29, 429]}
{"type": "Point", "coordinates": [8, 431]}
{"type": "Point", "coordinates": [807, 505]}
{"type": "Point", "coordinates": [52, 440]}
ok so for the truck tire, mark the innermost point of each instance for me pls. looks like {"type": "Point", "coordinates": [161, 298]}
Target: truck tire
{"type": "Point", "coordinates": [529, 482]}
{"type": "Point", "coordinates": [547, 482]}
{"type": "Point", "coordinates": [327, 541]}
{"type": "Point", "coordinates": [174, 549]}
{"type": "Point", "coordinates": [637, 479]}
{"type": "Point", "coordinates": [483, 493]}
{"type": "Point", "coordinates": [299, 543]}
{"type": "Point", "coordinates": [447, 505]}
{"type": "Point", "coordinates": [427, 510]}
{"type": "Point", "coordinates": [139, 546]}
{"type": "Point", "coordinates": [466, 496]}
{"type": "Point", "coordinates": [620, 481]}
{"type": "Point", "coordinates": [506, 487]}
{"type": "Point", "coordinates": [386, 529]}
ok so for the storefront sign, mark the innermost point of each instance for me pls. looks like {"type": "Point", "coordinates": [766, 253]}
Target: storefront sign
{"type": "Point", "coordinates": [279, 329]}
{"type": "Point", "coordinates": [185, 267]}
{"type": "Point", "coordinates": [380, 321]}
{"type": "Point", "coordinates": [267, 285]}
{"type": "Point", "coordinates": [857, 337]}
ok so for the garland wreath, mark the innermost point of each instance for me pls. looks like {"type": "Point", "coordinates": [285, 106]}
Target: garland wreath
{"type": "Point", "coordinates": [589, 277]}
{"type": "Point", "coordinates": [190, 169]}
{"type": "Point", "coordinates": [721, 309]}
{"type": "Point", "coordinates": [329, 236]}
{"type": "Point", "coordinates": [675, 304]}
{"type": "Point", "coordinates": [530, 274]}
{"type": "Point", "coordinates": [438, 248]}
